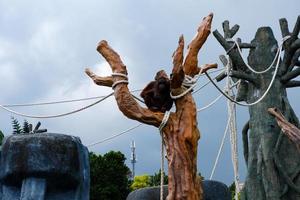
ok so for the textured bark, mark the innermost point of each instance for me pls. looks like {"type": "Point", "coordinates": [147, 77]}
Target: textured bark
{"type": "Point", "coordinates": [272, 162]}
{"type": "Point", "coordinates": [181, 133]}
{"type": "Point", "coordinates": [287, 128]}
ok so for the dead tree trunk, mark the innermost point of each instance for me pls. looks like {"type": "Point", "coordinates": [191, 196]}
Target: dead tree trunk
{"type": "Point", "coordinates": [181, 133]}
{"type": "Point", "coordinates": [272, 162]}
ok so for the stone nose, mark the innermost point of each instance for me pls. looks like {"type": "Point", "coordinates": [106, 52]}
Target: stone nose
{"type": "Point", "coordinates": [33, 188]}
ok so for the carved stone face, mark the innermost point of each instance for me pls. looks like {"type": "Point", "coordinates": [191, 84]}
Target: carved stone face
{"type": "Point", "coordinates": [265, 49]}
{"type": "Point", "coordinates": [44, 167]}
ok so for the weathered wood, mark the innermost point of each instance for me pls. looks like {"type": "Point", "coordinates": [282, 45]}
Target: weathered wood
{"type": "Point", "coordinates": [181, 133]}
{"type": "Point", "coordinates": [289, 129]}
{"type": "Point", "coordinates": [290, 75]}
{"type": "Point", "coordinates": [296, 28]}
{"type": "Point", "coordinates": [284, 27]}
{"type": "Point", "coordinates": [291, 84]}
{"type": "Point", "coordinates": [242, 75]}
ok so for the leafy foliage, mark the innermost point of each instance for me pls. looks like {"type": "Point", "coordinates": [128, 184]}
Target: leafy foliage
{"type": "Point", "coordinates": [232, 191]}
{"type": "Point", "coordinates": [16, 126]}
{"type": "Point", "coordinates": [109, 176]}
{"type": "Point", "coordinates": [155, 179]}
{"type": "Point", "coordinates": [141, 182]}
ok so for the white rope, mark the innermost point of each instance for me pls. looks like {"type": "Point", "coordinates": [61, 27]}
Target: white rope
{"type": "Point", "coordinates": [265, 93]}
{"type": "Point", "coordinates": [115, 136]}
{"type": "Point", "coordinates": [233, 132]}
{"type": "Point", "coordinates": [220, 150]}
{"type": "Point", "coordinates": [248, 66]}
{"type": "Point", "coordinates": [188, 83]}
{"type": "Point", "coordinates": [210, 104]}
{"type": "Point", "coordinates": [161, 126]}
{"type": "Point", "coordinates": [55, 116]}
{"type": "Point", "coordinates": [119, 81]}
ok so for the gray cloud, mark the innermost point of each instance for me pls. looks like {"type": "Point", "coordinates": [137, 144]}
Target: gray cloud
{"type": "Point", "coordinates": [45, 46]}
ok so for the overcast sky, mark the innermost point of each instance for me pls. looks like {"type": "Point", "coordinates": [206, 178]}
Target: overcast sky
{"type": "Point", "coordinates": [46, 45]}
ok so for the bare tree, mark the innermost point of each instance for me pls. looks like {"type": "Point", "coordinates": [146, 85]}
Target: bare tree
{"type": "Point", "coordinates": [181, 133]}
{"type": "Point", "coordinates": [272, 162]}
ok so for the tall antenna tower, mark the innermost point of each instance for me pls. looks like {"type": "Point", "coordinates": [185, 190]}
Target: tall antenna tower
{"type": "Point", "coordinates": [133, 158]}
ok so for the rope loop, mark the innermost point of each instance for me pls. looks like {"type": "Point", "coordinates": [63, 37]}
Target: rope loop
{"type": "Point", "coordinates": [278, 52]}
{"type": "Point", "coordinates": [120, 81]}
{"type": "Point", "coordinates": [164, 121]}
{"type": "Point", "coordinates": [188, 85]}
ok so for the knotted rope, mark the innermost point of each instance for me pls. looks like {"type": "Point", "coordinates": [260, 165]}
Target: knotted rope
{"type": "Point", "coordinates": [188, 84]}
{"type": "Point", "coordinates": [119, 81]}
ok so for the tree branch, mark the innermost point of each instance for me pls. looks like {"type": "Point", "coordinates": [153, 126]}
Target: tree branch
{"type": "Point", "coordinates": [291, 84]}
{"type": "Point", "coordinates": [233, 53]}
{"type": "Point", "coordinates": [287, 128]}
{"type": "Point", "coordinates": [284, 27]}
{"type": "Point", "coordinates": [190, 65]}
{"type": "Point", "coordinates": [177, 72]}
{"type": "Point", "coordinates": [102, 81]}
{"type": "Point", "coordinates": [295, 45]}
{"type": "Point", "coordinates": [296, 28]}
{"type": "Point", "coordinates": [244, 76]}
{"type": "Point", "coordinates": [291, 45]}
{"type": "Point", "coordinates": [126, 103]}
{"type": "Point", "coordinates": [290, 75]}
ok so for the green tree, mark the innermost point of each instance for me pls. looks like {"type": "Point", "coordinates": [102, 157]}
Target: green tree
{"type": "Point", "coordinates": [155, 179]}
{"type": "Point", "coordinates": [232, 191]}
{"type": "Point", "coordinates": [16, 126]}
{"type": "Point", "coordinates": [140, 182]}
{"type": "Point", "coordinates": [109, 176]}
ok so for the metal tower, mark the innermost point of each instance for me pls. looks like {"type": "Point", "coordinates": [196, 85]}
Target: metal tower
{"type": "Point", "coordinates": [133, 158]}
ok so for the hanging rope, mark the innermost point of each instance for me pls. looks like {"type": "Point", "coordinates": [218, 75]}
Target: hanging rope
{"type": "Point", "coordinates": [258, 100]}
{"type": "Point", "coordinates": [161, 126]}
{"type": "Point", "coordinates": [58, 115]}
{"type": "Point", "coordinates": [220, 150]}
{"type": "Point", "coordinates": [115, 136]}
{"type": "Point", "coordinates": [233, 131]}
{"type": "Point", "coordinates": [278, 52]}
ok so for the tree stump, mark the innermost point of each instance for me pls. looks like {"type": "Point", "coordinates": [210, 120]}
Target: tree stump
{"type": "Point", "coordinates": [181, 133]}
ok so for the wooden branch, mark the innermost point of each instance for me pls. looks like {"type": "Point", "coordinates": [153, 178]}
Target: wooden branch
{"type": "Point", "coordinates": [190, 65]}
{"type": "Point", "coordinates": [204, 68]}
{"type": "Point", "coordinates": [102, 81]}
{"type": "Point", "coordinates": [284, 27]}
{"type": "Point", "coordinates": [177, 72]}
{"type": "Point", "coordinates": [295, 45]}
{"type": "Point", "coordinates": [245, 141]}
{"type": "Point", "coordinates": [287, 128]}
{"type": "Point", "coordinates": [244, 76]}
{"type": "Point", "coordinates": [229, 32]}
{"type": "Point", "coordinates": [233, 53]}
{"type": "Point", "coordinates": [126, 103]}
{"type": "Point", "coordinates": [223, 74]}
{"type": "Point", "coordinates": [296, 28]}
{"type": "Point", "coordinates": [290, 75]}
{"type": "Point", "coordinates": [292, 84]}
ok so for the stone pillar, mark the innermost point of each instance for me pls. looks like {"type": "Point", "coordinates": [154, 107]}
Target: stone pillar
{"type": "Point", "coordinates": [44, 166]}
